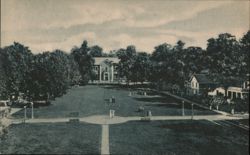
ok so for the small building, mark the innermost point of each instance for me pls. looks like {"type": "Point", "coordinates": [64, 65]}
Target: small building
{"type": "Point", "coordinates": [241, 91]}
{"type": "Point", "coordinates": [218, 91]}
{"type": "Point", "coordinates": [105, 70]}
{"type": "Point", "coordinates": [233, 91]}
{"type": "Point", "coordinates": [198, 84]}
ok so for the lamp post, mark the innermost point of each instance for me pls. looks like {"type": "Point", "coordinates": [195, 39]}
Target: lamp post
{"type": "Point", "coordinates": [192, 117]}
{"type": "Point", "coordinates": [32, 112]}
{"type": "Point", "coordinates": [183, 111]}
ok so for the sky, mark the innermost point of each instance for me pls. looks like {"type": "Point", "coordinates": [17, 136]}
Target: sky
{"type": "Point", "coordinates": [46, 25]}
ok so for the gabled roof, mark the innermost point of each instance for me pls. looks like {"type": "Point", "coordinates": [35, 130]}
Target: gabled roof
{"type": "Point", "coordinates": [202, 78]}
{"type": "Point", "coordinates": [99, 60]}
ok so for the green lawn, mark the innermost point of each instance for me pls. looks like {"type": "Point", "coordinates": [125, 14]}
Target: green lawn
{"type": "Point", "coordinates": [135, 137]}
{"type": "Point", "coordinates": [89, 100]}
{"type": "Point", "coordinates": [177, 137]}
{"type": "Point", "coordinates": [59, 138]}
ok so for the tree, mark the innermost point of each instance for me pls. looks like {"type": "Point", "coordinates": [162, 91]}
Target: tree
{"type": "Point", "coordinates": [84, 60]}
{"type": "Point", "coordinates": [140, 68]}
{"type": "Point", "coordinates": [3, 78]}
{"type": "Point", "coordinates": [96, 51]}
{"type": "Point", "coordinates": [16, 60]}
{"type": "Point", "coordinates": [52, 73]}
{"type": "Point", "coordinates": [127, 59]}
{"type": "Point", "coordinates": [245, 57]}
{"type": "Point", "coordinates": [162, 59]}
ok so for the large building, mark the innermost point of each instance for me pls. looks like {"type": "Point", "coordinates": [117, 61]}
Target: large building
{"type": "Point", "coordinates": [105, 69]}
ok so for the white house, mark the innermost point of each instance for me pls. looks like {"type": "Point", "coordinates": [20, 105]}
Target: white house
{"type": "Point", "coordinates": [198, 83]}
{"type": "Point", "coordinates": [105, 69]}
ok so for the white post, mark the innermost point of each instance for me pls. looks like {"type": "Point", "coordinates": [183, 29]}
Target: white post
{"type": "Point", "coordinates": [32, 112]}
{"type": "Point", "coordinates": [100, 73]}
{"type": "Point", "coordinates": [25, 116]}
{"type": "Point", "coordinates": [232, 111]}
{"type": "Point", "coordinates": [192, 111]}
{"type": "Point", "coordinates": [112, 73]}
{"type": "Point", "coordinates": [183, 111]}
{"type": "Point", "coordinates": [110, 113]}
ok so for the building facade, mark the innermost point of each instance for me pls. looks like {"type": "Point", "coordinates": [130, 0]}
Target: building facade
{"type": "Point", "coordinates": [198, 84]}
{"type": "Point", "coordinates": [232, 92]}
{"type": "Point", "coordinates": [105, 70]}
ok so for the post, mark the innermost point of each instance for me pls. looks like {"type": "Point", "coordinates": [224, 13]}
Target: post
{"type": "Point", "coordinates": [32, 112]}
{"type": "Point", "coordinates": [110, 113]}
{"type": "Point", "coordinates": [232, 111]}
{"type": "Point", "coordinates": [183, 111]}
{"type": "Point", "coordinates": [25, 116]}
{"type": "Point", "coordinates": [100, 73]}
{"type": "Point", "coordinates": [192, 117]}
{"type": "Point", "coordinates": [112, 73]}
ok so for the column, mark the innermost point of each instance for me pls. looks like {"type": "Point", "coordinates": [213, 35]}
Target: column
{"type": "Point", "coordinates": [100, 73]}
{"type": "Point", "coordinates": [112, 73]}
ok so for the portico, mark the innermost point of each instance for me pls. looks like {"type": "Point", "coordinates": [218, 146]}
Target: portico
{"type": "Point", "coordinates": [105, 70]}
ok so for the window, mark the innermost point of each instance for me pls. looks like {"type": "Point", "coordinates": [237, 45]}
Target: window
{"type": "Point", "coordinates": [196, 85]}
{"type": "Point", "coordinates": [106, 78]}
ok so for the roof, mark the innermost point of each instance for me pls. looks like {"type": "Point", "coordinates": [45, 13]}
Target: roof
{"type": "Point", "coordinates": [99, 60]}
{"type": "Point", "coordinates": [234, 89]}
{"type": "Point", "coordinates": [202, 78]}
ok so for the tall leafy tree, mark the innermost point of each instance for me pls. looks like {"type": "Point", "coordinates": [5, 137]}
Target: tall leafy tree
{"type": "Point", "coordinates": [96, 51]}
{"type": "Point", "coordinates": [245, 57]}
{"type": "Point", "coordinates": [16, 60]}
{"type": "Point", "coordinates": [127, 59]}
{"type": "Point", "coordinates": [141, 66]}
{"type": "Point", "coordinates": [224, 52]}
{"type": "Point", "coordinates": [84, 60]}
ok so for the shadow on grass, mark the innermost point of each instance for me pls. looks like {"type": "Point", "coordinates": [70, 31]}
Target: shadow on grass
{"type": "Point", "coordinates": [193, 127]}
{"type": "Point", "coordinates": [167, 102]}
{"type": "Point", "coordinates": [157, 99]}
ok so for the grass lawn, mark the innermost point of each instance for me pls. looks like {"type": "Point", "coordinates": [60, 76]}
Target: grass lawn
{"type": "Point", "coordinates": [177, 137]}
{"type": "Point", "coordinates": [89, 100]}
{"type": "Point", "coordinates": [59, 138]}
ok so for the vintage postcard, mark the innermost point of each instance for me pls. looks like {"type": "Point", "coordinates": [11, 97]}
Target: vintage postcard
{"type": "Point", "coordinates": [127, 77]}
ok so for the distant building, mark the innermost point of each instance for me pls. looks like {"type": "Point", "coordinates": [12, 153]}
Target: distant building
{"type": "Point", "coordinates": [232, 92]}
{"type": "Point", "coordinates": [218, 91]}
{"type": "Point", "coordinates": [198, 84]}
{"type": "Point", "coordinates": [241, 91]}
{"type": "Point", "coordinates": [105, 69]}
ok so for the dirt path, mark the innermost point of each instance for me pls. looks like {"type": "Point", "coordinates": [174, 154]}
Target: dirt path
{"type": "Point", "coordinates": [105, 120]}
{"type": "Point", "coordinates": [105, 140]}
